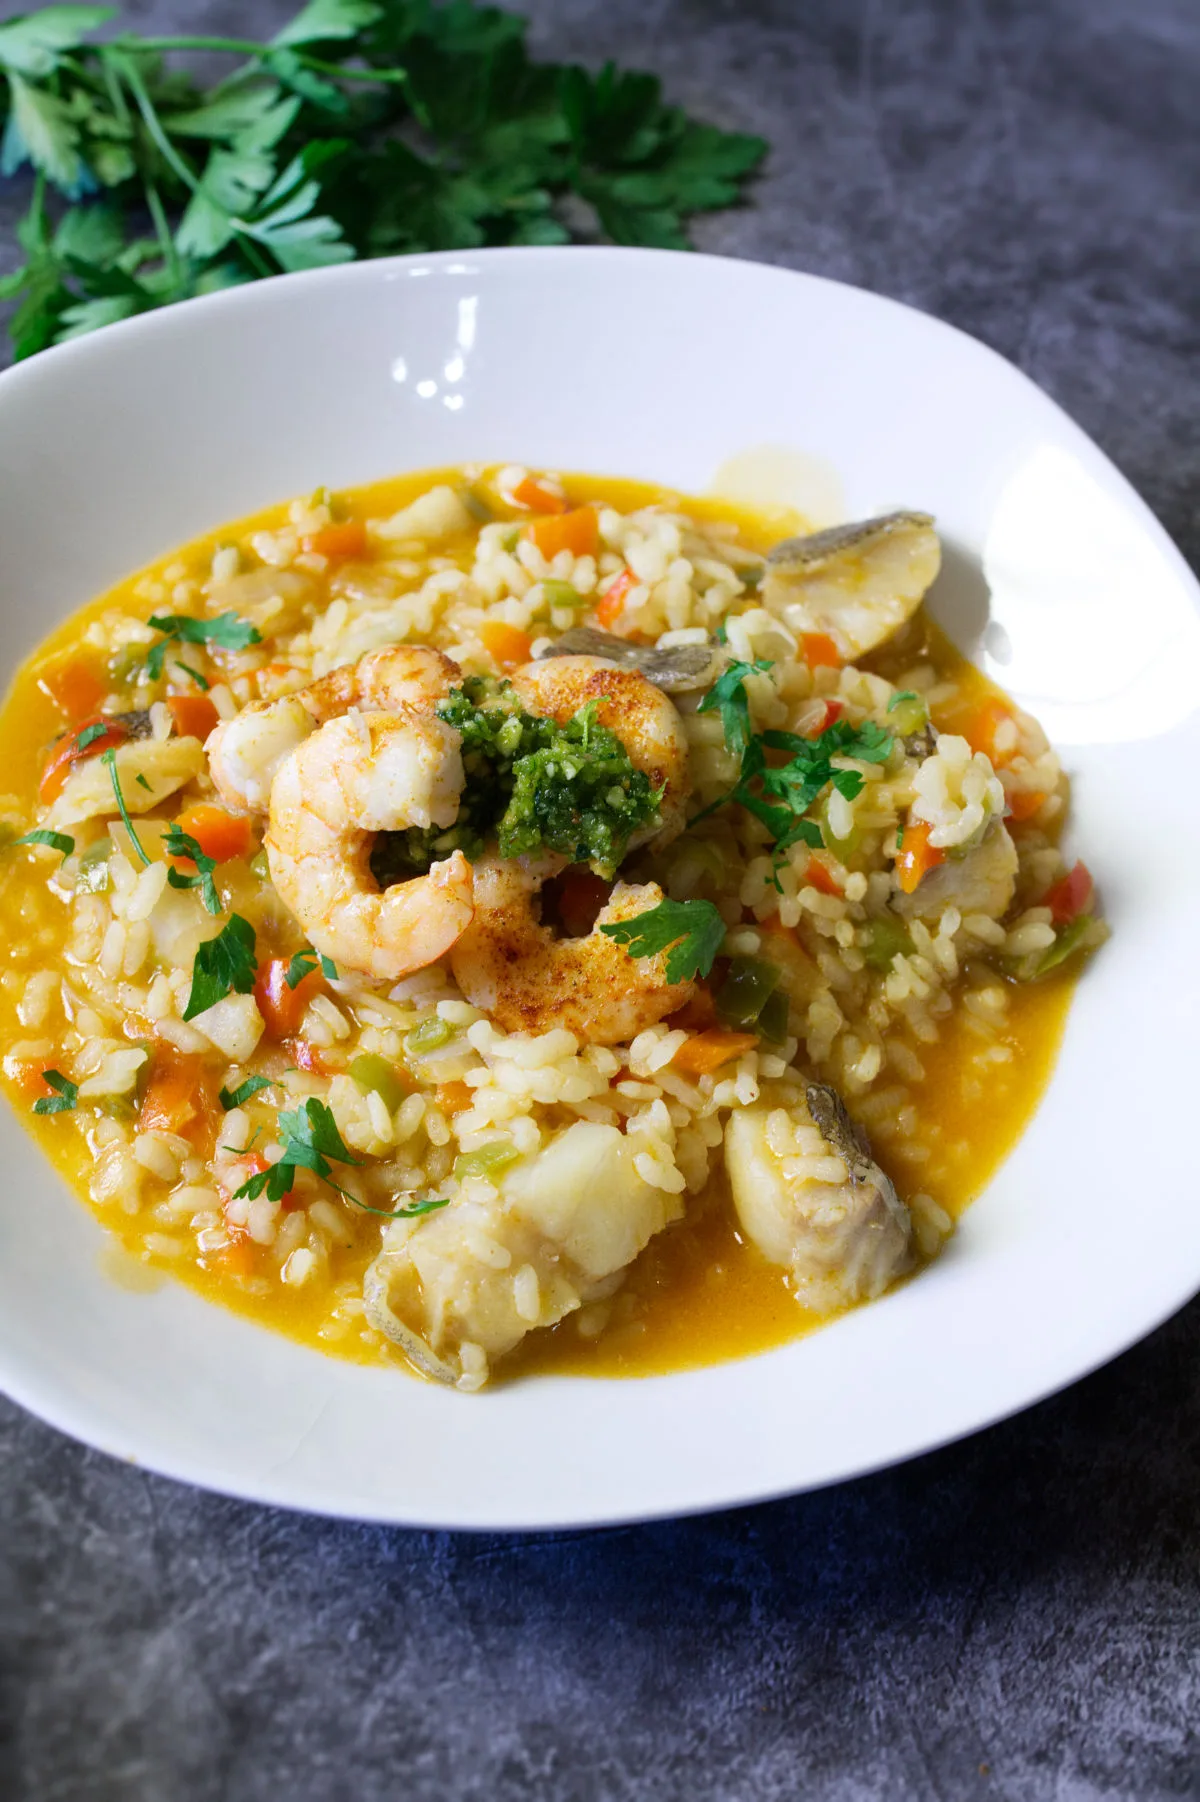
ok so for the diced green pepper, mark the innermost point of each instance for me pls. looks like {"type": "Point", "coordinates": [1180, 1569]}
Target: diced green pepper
{"type": "Point", "coordinates": [475, 504]}
{"type": "Point", "coordinates": [773, 1020]}
{"type": "Point", "coordinates": [487, 1162]}
{"type": "Point", "coordinates": [1067, 941]}
{"type": "Point", "coordinates": [886, 938]}
{"type": "Point", "coordinates": [260, 866]}
{"type": "Point", "coordinates": [842, 848]}
{"type": "Point", "coordinates": [907, 713]}
{"type": "Point", "coordinates": [562, 594]}
{"type": "Point", "coordinates": [93, 877]}
{"type": "Point", "coordinates": [747, 988]}
{"type": "Point", "coordinates": [370, 1071]}
{"type": "Point", "coordinates": [430, 1035]}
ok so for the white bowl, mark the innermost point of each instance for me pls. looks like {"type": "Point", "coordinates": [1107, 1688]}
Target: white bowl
{"type": "Point", "coordinates": [662, 366]}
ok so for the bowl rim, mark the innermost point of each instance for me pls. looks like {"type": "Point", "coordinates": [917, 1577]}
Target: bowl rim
{"type": "Point", "coordinates": [67, 1413]}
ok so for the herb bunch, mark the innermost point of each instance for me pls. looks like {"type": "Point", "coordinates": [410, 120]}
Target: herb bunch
{"type": "Point", "coordinates": [359, 130]}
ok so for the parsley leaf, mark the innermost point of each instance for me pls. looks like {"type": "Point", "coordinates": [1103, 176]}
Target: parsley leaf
{"type": "Point", "coordinates": [66, 1094]}
{"type": "Point", "coordinates": [728, 697]}
{"type": "Point", "coordinates": [236, 1097]}
{"type": "Point", "coordinates": [57, 841]}
{"type": "Point", "coordinates": [224, 965]}
{"type": "Point", "coordinates": [690, 932]}
{"type": "Point", "coordinates": [90, 734]}
{"type": "Point", "coordinates": [201, 682]}
{"type": "Point", "coordinates": [109, 758]}
{"type": "Point", "coordinates": [310, 1137]}
{"type": "Point", "coordinates": [305, 962]}
{"type": "Point", "coordinates": [358, 130]}
{"type": "Point", "coordinates": [228, 630]}
{"type": "Point", "coordinates": [179, 843]}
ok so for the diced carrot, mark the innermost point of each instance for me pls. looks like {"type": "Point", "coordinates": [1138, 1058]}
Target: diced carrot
{"type": "Point", "coordinates": [538, 497]}
{"type": "Point", "coordinates": [577, 531]}
{"type": "Point", "coordinates": [507, 645]}
{"type": "Point", "coordinates": [981, 728]}
{"type": "Point", "coordinates": [175, 1095]}
{"type": "Point", "coordinates": [581, 895]}
{"type": "Point", "coordinates": [75, 685]}
{"type": "Point", "coordinates": [705, 1052]}
{"type": "Point", "coordinates": [344, 539]}
{"type": "Point", "coordinates": [68, 752]}
{"type": "Point", "coordinates": [1024, 804]}
{"type": "Point", "coordinates": [238, 1258]}
{"type": "Point", "coordinates": [194, 715]}
{"type": "Point", "coordinates": [916, 856]}
{"type": "Point", "coordinates": [609, 607]}
{"type": "Point", "coordinates": [1071, 895]}
{"type": "Point", "coordinates": [283, 1008]}
{"type": "Point", "coordinates": [454, 1097]}
{"type": "Point", "coordinates": [26, 1073]}
{"type": "Point", "coordinates": [819, 651]}
{"type": "Point", "coordinates": [818, 875]}
{"type": "Point", "coordinates": [220, 835]}
{"type": "Point", "coordinates": [698, 1014]}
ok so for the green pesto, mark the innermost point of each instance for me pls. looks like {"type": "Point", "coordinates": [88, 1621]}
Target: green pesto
{"type": "Point", "coordinates": [531, 785]}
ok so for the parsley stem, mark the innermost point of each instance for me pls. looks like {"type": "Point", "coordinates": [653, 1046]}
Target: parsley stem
{"type": "Point", "coordinates": [127, 70]}
{"type": "Point", "coordinates": [166, 240]}
{"type": "Point", "coordinates": [110, 758]}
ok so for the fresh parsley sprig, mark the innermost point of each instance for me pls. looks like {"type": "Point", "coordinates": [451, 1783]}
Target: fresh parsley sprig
{"type": "Point", "coordinates": [310, 1138]}
{"type": "Point", "coordinates": [690, 932]}
{"type": "Point", "coordinates": [41, 835]}
{"type": "Point", "coordinates": [239, 1096]}
{"type": "Point", "coordinates": [228, 630]}
{"type": "Point", "coordinates": [64, 1098]}
{"type": "Point", "coordinates": [358, 130]}
{"type": "Point", "coordinates": [728, 697]}
{"type": "Point", "coordinates": [179, 843]}
{"type": "Point", "coordinates": [305, 962]}
{"type": "Point", "coordinates": [224, 965]}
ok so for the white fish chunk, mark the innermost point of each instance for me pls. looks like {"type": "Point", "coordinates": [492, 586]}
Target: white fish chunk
{"type": "Point", "coordinates": [857, 583]}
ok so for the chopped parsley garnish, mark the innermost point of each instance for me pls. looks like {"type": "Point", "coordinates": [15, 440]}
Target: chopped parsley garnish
{"type": "Point", "coordinates": [66, 1094]}
{"type": "Point", "coordinates": [179, 843]}
{"type": "Point", "coordinates": [902, 694]}
{"type": "Point", "coordinates": [142, 783]}
{"type": "Point", "coordinates": [224, 965]}
{"type": "Point", "coordinates": [109, 757]}
{"type": "Point", "coordinates": [237, 1097]}
{"type": "Point", "coordinates": [310, 1137]}
{"type": "Point", "coordinates": [305, 962]}
{"type": "Point", "coordinates": [780, 794]}
{"type": "Point", "coordinates": [228, 630]}
{"type": "Point", "coordinates": [89, 734]}
{"type": "Point", "coordinates": [357, 130]}
{"type": "Point", "coordinates": [197, 678]}
{"type": "Point", "coordinates": [531, 785]}
{"type": "Point", "coordinates": [691, 932]}
{"type": "Point", "coordinates": [57, 841]}
{"type": "Point", "coordinates": [728, 697]}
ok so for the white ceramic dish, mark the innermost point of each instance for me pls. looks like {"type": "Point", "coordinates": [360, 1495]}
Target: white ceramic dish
{"type": "Point", "coordinates": [116, 448]}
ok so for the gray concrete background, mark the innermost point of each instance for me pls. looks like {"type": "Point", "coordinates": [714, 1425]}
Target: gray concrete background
{"type": "Point", "coordinates": [1017, 1617]}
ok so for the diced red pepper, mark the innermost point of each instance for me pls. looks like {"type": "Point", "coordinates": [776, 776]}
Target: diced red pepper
{"type": "Point", "coordinates": [68, 752]}
{"type": "Point", "coordinates": [1071, 895]}
{"type": "Point", "coordinates": [282, 1008]}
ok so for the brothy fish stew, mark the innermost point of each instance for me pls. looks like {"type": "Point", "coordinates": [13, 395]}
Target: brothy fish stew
{"type": "Point", "coordinates": [496, 921]}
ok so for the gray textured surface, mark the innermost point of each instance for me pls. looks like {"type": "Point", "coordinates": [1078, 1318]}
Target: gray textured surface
{"type": "Point", "coordinates": [1017, 1617]}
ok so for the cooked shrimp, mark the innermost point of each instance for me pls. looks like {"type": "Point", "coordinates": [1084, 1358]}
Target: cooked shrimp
{"type": "Point", "coordinates": [645, 720]}
{"type": "Point", "coordinates": [246, 753]}
{"type": "Point", "coordinates": [809, 1195]}
{"type": "Point", "coordinates": [353, 777]}
{"type": "Point", "coordinates": [527, 980]}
